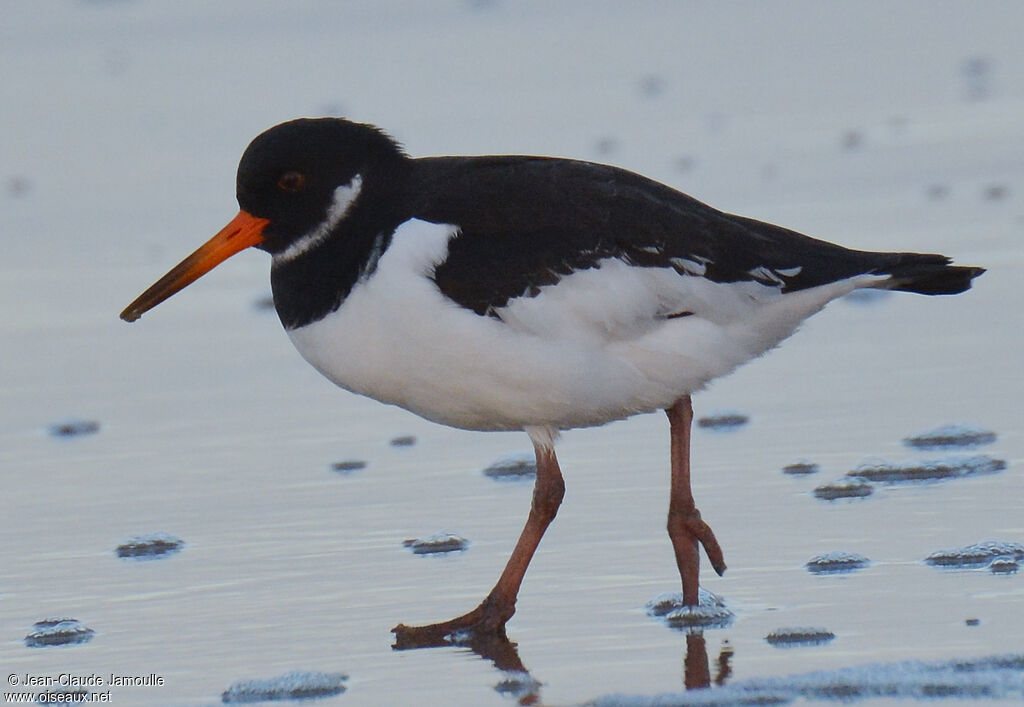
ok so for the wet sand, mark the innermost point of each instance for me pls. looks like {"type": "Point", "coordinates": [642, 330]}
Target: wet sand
{"type": "Point", "coordinates": [125, 122]}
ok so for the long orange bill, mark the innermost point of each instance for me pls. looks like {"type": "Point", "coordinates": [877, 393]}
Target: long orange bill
{"type": "Point", "coordinates": [244, 230]}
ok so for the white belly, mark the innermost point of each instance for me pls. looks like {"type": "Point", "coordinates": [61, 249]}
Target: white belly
{"type": "Point", "coordinates": [595, 347]}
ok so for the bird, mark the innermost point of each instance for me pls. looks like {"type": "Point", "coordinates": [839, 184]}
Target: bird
{"type": "Point", "coordinates": [532, 293]}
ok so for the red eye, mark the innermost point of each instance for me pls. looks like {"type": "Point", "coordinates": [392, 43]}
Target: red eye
{"type": "Point", "coordinates": [291, 182]}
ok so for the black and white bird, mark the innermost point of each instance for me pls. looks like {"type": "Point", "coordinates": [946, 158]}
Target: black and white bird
{"type": "Point", "coordinates": [525, 293]}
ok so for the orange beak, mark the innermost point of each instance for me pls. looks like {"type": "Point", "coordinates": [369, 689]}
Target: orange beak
{"type": "Point", "coordinates": [244, 230]}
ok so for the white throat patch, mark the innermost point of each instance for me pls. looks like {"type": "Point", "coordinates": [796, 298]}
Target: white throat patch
{"type": "Point", "coordinates": [344, 197]}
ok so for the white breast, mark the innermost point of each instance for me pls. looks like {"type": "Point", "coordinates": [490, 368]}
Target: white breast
{"type": "Point", "coordinates": [593, 348]}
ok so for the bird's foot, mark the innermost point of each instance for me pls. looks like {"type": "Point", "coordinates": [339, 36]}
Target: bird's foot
{"type": "Point", "coordinates": [700, 530]}
{"type": "Point", "coordinates": [688, 530]}
{"type": "Point", "coordinates": [486, 620]}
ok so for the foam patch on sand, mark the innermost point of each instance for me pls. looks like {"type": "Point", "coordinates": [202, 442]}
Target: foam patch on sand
{"type": "Point", "coordinates": [990, 678]}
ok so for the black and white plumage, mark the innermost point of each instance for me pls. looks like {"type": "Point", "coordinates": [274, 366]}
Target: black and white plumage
{"type": "Point", "coordinates": [513, 292]}
{"type": "Point", "coordinates": [506, 292]}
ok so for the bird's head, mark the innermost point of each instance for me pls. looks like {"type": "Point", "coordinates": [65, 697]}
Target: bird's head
{"type": "Point", "coordinates": [297, 182]}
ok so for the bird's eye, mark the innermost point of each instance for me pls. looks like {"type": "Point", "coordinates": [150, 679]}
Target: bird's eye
{"type": "Point", "coordinates": [291, 182]}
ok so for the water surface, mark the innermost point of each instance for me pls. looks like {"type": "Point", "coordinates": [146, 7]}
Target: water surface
{"type": "Point", "coordinates": [123, 123]}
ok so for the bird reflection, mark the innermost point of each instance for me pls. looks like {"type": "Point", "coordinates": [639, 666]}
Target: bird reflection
{"type": "Point", "coordinates": [496, 648]}
{"type": "Point", "coordinates": [724, 664]}
{"type": "Point", "coordinates": [696, 666]}
{"type": "Point", "coordinates": [519, 683]}
{"type": "Point", "coordinates": [696, 673]}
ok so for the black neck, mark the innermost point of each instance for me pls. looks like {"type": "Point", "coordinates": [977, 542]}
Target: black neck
{"type": "Point", "coordinates": [315, 283]}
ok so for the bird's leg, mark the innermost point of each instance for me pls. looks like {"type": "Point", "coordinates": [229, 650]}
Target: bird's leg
{"type": "Point", "coordinates": [500, 604]}
{"type": "Point", "coordinates": [685, 527]}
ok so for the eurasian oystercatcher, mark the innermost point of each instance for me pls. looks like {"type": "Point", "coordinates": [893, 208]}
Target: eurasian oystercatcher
{"type": "Point", "coordinates": [525, 293]}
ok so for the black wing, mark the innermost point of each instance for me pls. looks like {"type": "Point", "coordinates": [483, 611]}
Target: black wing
{"type": "Point", "coordinates": [527, 222]}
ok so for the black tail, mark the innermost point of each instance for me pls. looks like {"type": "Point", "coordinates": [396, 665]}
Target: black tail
{"type": "Point", "coordinates": [928, 274]}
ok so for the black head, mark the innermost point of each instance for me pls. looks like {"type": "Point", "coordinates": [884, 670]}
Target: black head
{"type": "Point", "coordinates": [288, 185]}
{"type": "Point", "coordinates": [290, 173]}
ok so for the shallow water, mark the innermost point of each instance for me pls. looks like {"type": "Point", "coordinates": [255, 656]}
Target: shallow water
{"type": "Point", "coordinates": [124, 122]}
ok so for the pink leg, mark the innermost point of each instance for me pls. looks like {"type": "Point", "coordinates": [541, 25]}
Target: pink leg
{"type": "Point", "coordinates": [499, 606]}
{"type": "Point", "coordinates": [685, 527]}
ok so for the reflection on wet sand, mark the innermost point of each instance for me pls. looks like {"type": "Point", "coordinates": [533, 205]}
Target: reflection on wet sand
{"type": "Point", "coordinates": [519, 682]}
{"type": "Point", "coordinates": [496, 648]}
{"type": "Point", "coordinates": [697, 671]}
